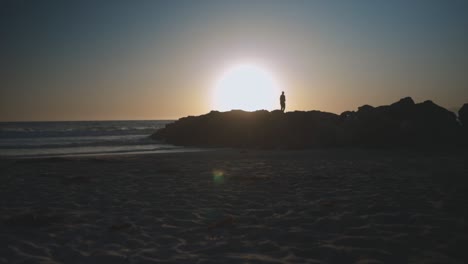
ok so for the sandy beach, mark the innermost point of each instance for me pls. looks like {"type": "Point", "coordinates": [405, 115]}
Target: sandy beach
{"type": "Point", "coordinates": [236, 206]}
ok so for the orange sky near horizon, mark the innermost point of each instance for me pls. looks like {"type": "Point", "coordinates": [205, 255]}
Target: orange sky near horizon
{"type": "Point", "coordinates": [160, 60]}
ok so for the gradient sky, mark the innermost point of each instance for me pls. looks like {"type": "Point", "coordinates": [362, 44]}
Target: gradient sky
{"type": "Point", "coordinates": [107, 60]}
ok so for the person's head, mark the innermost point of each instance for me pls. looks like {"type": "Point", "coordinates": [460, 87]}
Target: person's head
{"type": "Point", "coordinates": [282, 92]}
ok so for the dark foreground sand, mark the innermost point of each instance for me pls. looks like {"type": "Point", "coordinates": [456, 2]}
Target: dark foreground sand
{"type": "Point", "coordinates": [320, 206]}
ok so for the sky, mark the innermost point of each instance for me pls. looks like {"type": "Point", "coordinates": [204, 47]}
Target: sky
{"type": "Point", "coordinates": [125, 60]}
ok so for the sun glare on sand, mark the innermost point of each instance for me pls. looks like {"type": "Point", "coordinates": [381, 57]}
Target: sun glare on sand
{"type": "Point", "coordinates": [246, 87]}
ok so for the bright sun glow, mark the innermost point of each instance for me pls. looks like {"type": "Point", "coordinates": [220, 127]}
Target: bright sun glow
{"type": "Point", "coordinates": [246, 87]}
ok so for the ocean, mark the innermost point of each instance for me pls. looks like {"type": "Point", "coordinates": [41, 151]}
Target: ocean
{"type": "Point", "coordinates": [35, 139]}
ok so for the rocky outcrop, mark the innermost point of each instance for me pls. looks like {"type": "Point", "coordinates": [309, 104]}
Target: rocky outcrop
{"type": "Point", "coordinates": [463, 115]}
{"type": "Point", "coordinates": [403, 123]}
{"type": "Point", "coordinates": [463, 118]}
{"type": "Point", "coordinates": [252, 129]}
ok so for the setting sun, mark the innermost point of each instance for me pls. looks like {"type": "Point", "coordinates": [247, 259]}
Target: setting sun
{"type": "Point", "coordinates": [261, 131]}
{"type": "Point", "coordinates": [246, 87]}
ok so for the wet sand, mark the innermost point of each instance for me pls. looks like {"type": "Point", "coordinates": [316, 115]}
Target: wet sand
{"type": "Point", "coordinates": [231, 206]}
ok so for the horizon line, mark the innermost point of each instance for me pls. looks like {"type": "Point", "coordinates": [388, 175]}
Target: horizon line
{"type": "Point", "coordinates": [87, 120]}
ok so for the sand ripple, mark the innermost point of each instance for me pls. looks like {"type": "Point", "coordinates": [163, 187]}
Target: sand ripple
{"type": "Point", "coordinates": [332, 206]}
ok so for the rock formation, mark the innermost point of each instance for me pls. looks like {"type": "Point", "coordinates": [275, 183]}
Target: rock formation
{"type": "Point", "coordinates": [403, 123]}
{"type": "Point", "coordinates": [463, 115]}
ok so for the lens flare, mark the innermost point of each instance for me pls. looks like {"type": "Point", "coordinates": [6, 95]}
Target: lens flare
{"type": "Point", "coordinates": [218, 176]}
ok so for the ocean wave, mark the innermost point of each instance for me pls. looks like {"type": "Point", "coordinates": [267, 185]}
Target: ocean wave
{"type": "Point", "coordinates": [44, 138]}
{"type": "Point", "coordinates": [80, 128]}
{"type": "Point", "coordinates": [59, 142]}
{"type": "Point", "coordinates": [86, 150]}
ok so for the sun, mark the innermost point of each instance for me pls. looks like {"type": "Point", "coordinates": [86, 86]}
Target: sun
{"type": "Point", "coordinates": [246, 87]}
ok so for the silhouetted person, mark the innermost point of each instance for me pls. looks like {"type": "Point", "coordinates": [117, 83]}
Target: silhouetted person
{"type": "Point", "coordinates": [283, 102]}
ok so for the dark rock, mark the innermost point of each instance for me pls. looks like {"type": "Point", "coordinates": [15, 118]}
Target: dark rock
{"type": "Point", "coordinates": [404, 103]}
{"type": "Point", "coordinates": [403, 123]}
{"type": "Point", "coordinates": [260, 129]}
{"type": "Point", "coordinates": [365, 109]}
{"type": "Point", "coordinates": [463, 115]}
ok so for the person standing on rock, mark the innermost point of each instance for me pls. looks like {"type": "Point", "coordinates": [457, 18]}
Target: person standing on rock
{"type": "Point", "coordinates": [283, 102]}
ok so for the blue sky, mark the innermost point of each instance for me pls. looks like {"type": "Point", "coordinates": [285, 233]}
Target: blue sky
{"type": "Point", "coordinates": [88, 60]}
